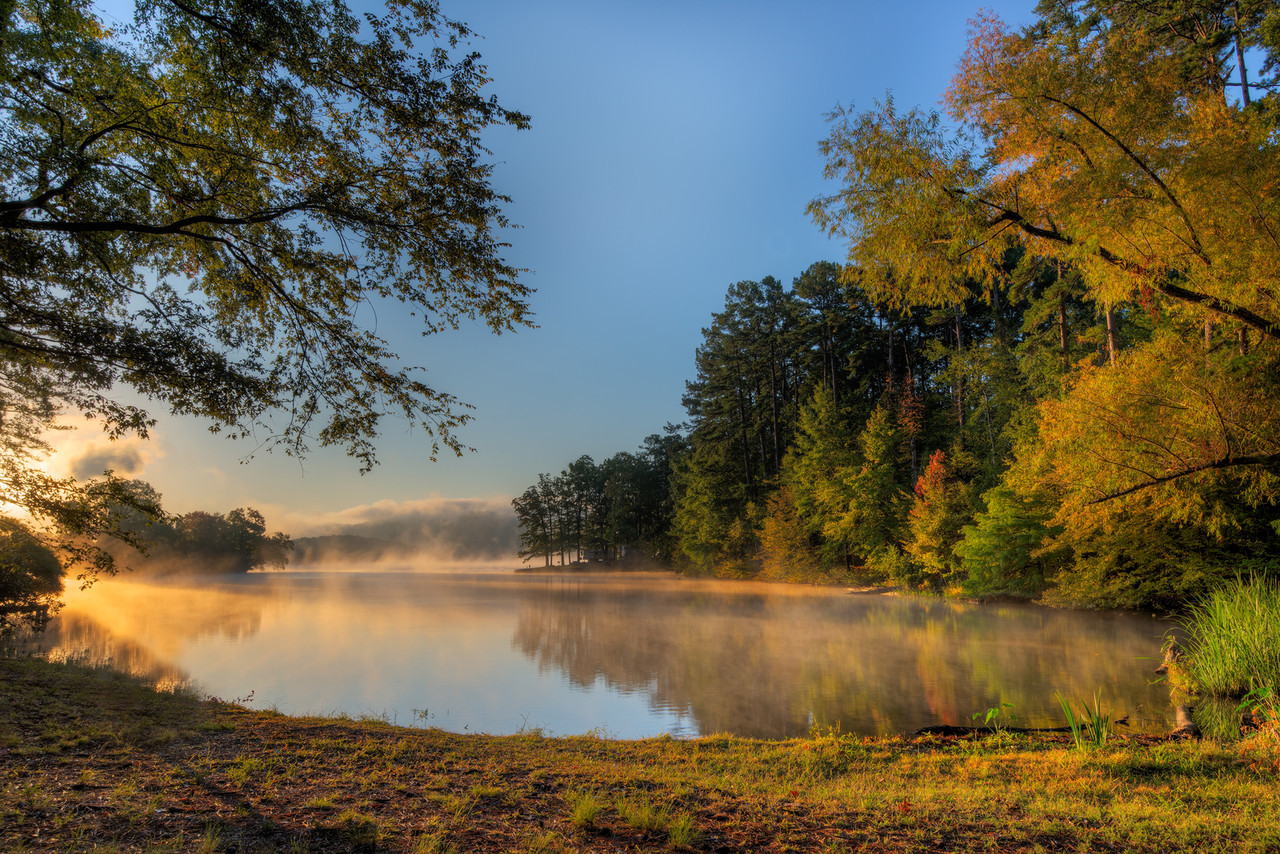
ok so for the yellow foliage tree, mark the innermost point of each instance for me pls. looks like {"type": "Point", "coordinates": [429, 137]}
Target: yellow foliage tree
{"type": "Point", "coordinates": [1172, 432]}
{"type": "Point", "coordinates": [1091, 147]}
{"type": "Point", "coordinates": [1084, 139]}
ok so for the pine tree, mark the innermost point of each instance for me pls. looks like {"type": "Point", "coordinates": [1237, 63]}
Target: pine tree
{"type": "Point", "coordinates": [1001, 552]}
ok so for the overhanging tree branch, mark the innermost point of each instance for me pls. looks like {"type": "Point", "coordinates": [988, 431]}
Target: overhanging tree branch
{"type": "Point", "coordinates": [1224, 463]}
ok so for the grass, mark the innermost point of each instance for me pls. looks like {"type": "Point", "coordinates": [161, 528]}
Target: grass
{"type": "Point", "coordinates": [92, 761]}
{"type": "Point", "coordinates": [643, 814]}
{"type": "Point", "coordinates": [1232, 656]}
{"type": "Point", "coordinates": [682, 831]}
{"type": "Point", "coordinates": [584, 809]}
{"type": "Point", "coordinates": [436, 842]}
{"type": "Point", "coordinates": [1092, 726]}
{"type": "Point", "coordinates": [1233, 640]}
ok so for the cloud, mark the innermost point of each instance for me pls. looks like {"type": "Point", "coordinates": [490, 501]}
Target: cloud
{"type": "Point", "coordinates": [124, 461]}
{"type": "Point", "coordinates": [85, 453]}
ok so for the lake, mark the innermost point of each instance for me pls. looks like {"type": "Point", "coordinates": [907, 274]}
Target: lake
{"type": "Point", "coordinates": [623, 655]}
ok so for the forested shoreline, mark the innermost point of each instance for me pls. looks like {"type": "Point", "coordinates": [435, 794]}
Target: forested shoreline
{"type": "Point", "coordinates": [832, 440]}
{"type": "Point", "coordinates": [1048, 366]}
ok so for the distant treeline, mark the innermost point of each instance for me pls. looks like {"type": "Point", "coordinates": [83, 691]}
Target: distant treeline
{"type": "Point", "coordinates": [34, 562]}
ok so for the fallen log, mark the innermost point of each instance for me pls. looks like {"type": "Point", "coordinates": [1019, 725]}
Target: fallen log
{"type": "Point", "coordinates": [947, 729]}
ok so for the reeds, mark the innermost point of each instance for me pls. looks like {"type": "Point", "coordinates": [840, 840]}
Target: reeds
{"type": "Point", "coordinates": [1232, 658]}
{"type": "Point", "coordinates": [1233, 641]}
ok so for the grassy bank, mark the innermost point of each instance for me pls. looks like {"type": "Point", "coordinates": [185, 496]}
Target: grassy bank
{"type": "Point", "coordinates": [91, 761]}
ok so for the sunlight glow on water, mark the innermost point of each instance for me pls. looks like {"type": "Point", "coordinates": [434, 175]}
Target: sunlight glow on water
{"type": "Point", "coordinates": [624, 655]}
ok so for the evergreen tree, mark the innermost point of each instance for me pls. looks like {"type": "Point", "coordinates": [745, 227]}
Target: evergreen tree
{"type": "Point", "coordinates": [939, 509]}
{"type": "Point", "coordinates": [789, 547]}
{"type": "Point", "coordinates": [817, 474]}
{"type": "Point", "coordinates": [872, 522]}
{"type": "Point", "coordinates": [1002, 552]}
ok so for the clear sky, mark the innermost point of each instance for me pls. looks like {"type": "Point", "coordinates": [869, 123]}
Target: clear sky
{"type": "Point", "coordinates": [672, 153]}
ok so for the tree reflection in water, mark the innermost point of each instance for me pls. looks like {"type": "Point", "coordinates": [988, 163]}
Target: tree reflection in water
{"type": "Point", "coordinates": [634, 654]}
{"type": "Point", "coordinates": [770, 662]}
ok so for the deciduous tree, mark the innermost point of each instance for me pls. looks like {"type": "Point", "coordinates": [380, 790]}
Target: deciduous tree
{"type": "Point", "coordinates": [203, 204]}
{"type": "Point", "coordinates": [1083, 139]}
{"type": "Point", "coordinates": [30, 577]}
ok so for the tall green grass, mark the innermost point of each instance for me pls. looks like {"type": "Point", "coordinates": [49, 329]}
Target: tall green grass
{"type": "Point", "coordinates": [1233, 640]}
{"type": "Point", "coordinates": [1092, 727]}
{"type": "Point", "coordinates": [1232, 657]}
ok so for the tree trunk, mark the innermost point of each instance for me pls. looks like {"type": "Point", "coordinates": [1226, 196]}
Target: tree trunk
{"type": "Point", "coordinates": [1244, 75]}
{"type": "Point", "coordinates": [891, 375]}
{"type": "Point", "coordinates": [1001, 334]}
{"type": "Point", "coordinates": [959, 379]}
{"type": "Point", "coordinates": [1111, 336]}
{"type": "Point", "coordinates": [830, 336]}
{"type": "Point", "coordinates": [1063, 335]}
{"type": "Point", "coordinates": [911, 390]}
{"type": "Point", "coordinates": [773, 405]}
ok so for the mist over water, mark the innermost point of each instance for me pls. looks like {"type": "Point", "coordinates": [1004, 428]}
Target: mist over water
{"type": "Point", "coordinates": [423, 534]}
{"type": "Point", "coordinates": [629, 655]}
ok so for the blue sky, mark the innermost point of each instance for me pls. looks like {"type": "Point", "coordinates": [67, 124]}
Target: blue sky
{"type": "Point", "coordinates": [672, 153]}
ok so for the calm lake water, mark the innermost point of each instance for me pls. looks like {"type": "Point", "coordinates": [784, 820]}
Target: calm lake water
{"type": "Point", "coordinates": [623, 655]}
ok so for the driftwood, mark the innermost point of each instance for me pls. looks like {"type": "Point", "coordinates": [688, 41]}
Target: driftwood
{"type": "Point", "coordinates": [947, 729]}
{"type": "Point", "coordinates": [1186, 727]}
{"type": "Point", "coordinates": [1172, 655]}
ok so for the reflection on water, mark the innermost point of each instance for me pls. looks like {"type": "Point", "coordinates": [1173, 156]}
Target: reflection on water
{"type": "Point", "coordinates": [623, 654]}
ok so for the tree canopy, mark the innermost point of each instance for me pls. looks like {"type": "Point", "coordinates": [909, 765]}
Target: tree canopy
{"type": "Point", "coordinates": [202, 203]}
{"type": "Point", "coordinates": [1084, 138]}
{"type": "Point", "coordinates": [1127, 143]}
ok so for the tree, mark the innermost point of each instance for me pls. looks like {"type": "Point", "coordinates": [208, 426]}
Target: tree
{"type": "Point", "coordinates": [1101, 138]}
{"type": "Point", "coordinates": [788, 543]}
{"type": "Point", "coordinates": [816, 475]}
{"type": "Point", "coordinates": [1003, 551]}
{"type": "Point", "coordinates": [534, 518]}
{"type": "Point", "coordinates": [939, 508]}
{"type": "Point", "coordinates": [1095, 148]}
{"type": "Point", "coordinates": [250, 544]}
{"type": "Point", "coordinates": [873, 517]}
{"type": "Point", "coordinates": [1171, 429]}
{"type": "Point", "coordinates": [30, 577]}
{"type": "Point", "coordinates": [199, 205]}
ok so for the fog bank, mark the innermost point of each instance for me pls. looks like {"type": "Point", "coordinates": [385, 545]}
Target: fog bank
{"type": "Point", "coordinates": [445, 530]}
